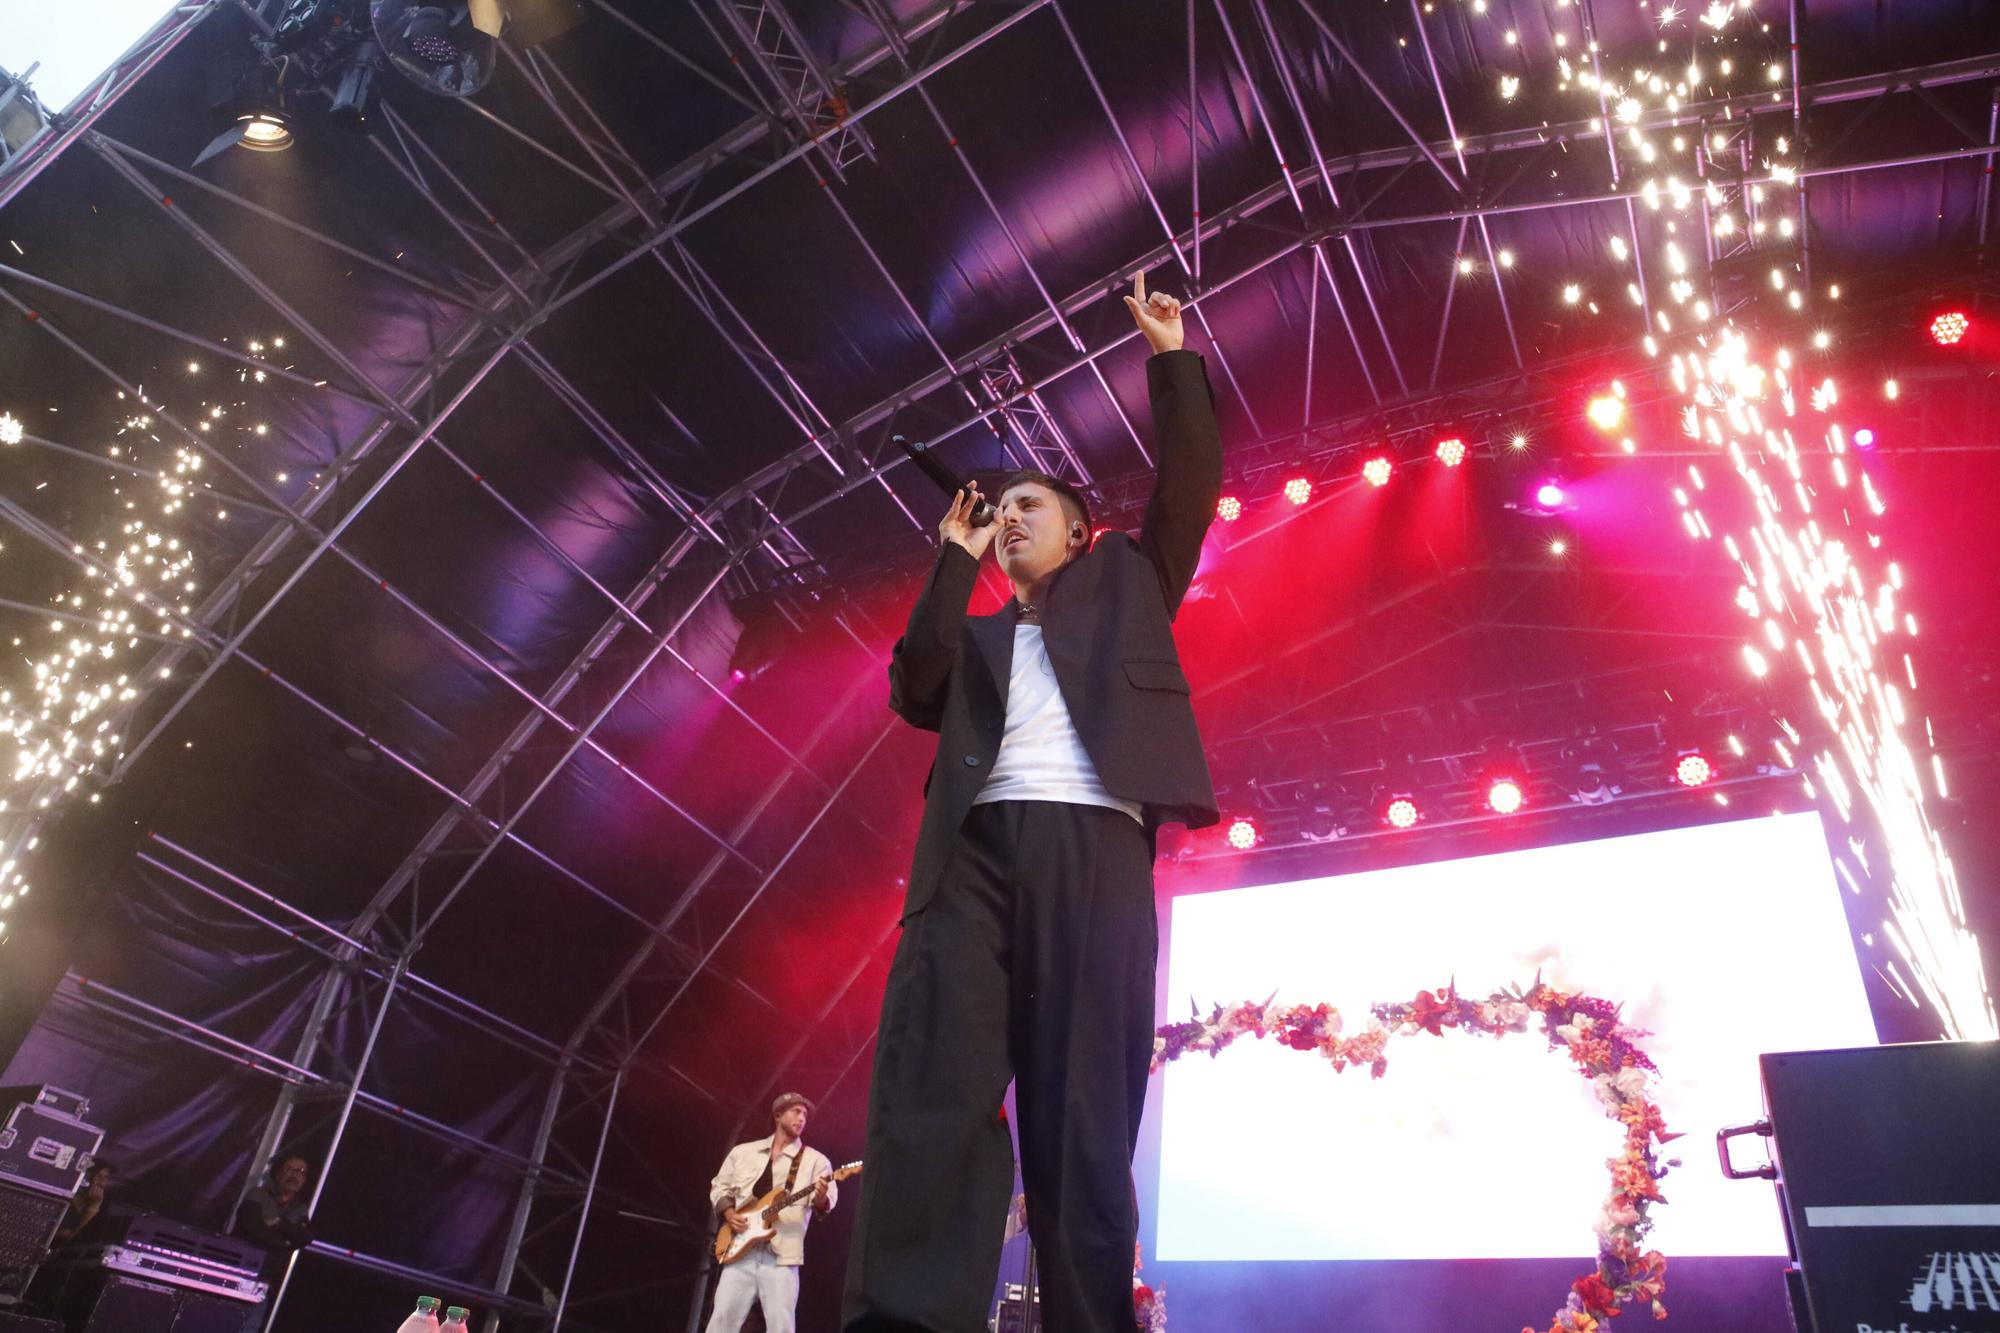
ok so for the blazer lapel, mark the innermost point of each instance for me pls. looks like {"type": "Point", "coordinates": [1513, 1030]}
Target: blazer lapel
{"type": "Point", "coordinates": [994, 635]}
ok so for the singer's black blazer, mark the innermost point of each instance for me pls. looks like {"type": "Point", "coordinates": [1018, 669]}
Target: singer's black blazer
{"type": "Point", "coordinates": [1108, 624]}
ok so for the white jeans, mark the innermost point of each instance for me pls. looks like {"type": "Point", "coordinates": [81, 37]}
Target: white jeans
{"type": "Point", "coordinates": [756, 1279]}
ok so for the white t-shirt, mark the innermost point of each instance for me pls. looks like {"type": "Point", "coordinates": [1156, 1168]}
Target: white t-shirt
{"type": "Point", "coordinates": [1041, 756]}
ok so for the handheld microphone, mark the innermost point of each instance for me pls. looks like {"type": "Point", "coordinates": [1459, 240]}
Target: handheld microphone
{"type": "Point", "coordinates": [940, 475]}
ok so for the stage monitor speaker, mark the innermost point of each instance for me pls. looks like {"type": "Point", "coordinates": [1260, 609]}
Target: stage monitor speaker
{"type": "Point", "coordinates": [20, 1323]}
{"type": "Point", "coordinates": [199, 1312]}
{"type": "Point", "coordinates": [1890, 1183]}
{"type": "Point", "coordinates": [114, 1303]}
{"type": "Point", "coordinates": [28, 1222]}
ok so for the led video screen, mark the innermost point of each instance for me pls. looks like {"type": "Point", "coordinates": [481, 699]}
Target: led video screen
{"type": "Point", "coordinates": [1725, 941]}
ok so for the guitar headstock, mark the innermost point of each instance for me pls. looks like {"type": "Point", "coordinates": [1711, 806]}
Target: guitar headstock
{"type": "Point", "coordinates": [851, 1169]}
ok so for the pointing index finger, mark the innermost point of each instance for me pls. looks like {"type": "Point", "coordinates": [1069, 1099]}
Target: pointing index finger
{"type": "Point", "coordinates": [1139, 286]}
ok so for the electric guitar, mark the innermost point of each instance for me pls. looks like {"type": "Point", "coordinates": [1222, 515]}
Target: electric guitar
{"type": "Point", "coordinates": [760, 1219]}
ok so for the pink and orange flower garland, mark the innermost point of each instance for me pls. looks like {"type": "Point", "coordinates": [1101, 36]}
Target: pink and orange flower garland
{"type": "Point", "coordinates": [1603, 1050]}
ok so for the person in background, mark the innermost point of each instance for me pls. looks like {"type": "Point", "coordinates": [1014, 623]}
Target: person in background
{"type": "Point", "coordinates": [88, 1205]}
{"type": "Point", "coordinates": [767, 1277]}
{"type": "Point", "coordinates": [276, 1213]}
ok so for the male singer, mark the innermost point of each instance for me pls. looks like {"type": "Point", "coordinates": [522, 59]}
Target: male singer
{"type": "Point", "coordinates": [1065, 737]}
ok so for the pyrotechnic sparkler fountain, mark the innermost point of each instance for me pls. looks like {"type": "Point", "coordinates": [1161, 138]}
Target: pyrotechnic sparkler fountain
{"type": "Point", "coordinates": [1823, 600]}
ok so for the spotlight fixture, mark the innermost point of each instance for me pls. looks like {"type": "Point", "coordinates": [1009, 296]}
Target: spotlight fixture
{"type": "Point", "coordinates": [442, 48]}
{"type": "Point", "coordinates": [1229, 509]}
{"type": "Point", "coordinates": [1377, 470]}
{"type": "Point", "coordinates": [1451, 452]}
{"type": "Point", "coordinates": [247, 97]}
{"type": "Point", "coordinates": [266, 133]}
{"type": "Point", "coordinates": [1693, 769]}
{"type": "Point", "coordinates": [1504, 795]}
{"type": "Point", "coordinates": [1949, 327]}
{"type": "Point", "coordinates": [1551, 496]}
{"type": "Point", "coordinates": [1298, 490]}
{"type": "Point", "coordinates": [1606, 411]}
{"type": "Point", "coordinates": [1242, 835]}
{"type": "Point", "coordinates": [1319, 811]}
{"type": "Point", "coordinates": [1594, 769]}
{"type": "Point", "coordinates": [357, 93]}
{"type": "Point", "coordinates": [1401, 812]}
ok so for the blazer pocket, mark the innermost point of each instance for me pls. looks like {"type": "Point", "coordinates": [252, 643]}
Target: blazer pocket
{"type": "Point", "coordinates": [1149, 675]}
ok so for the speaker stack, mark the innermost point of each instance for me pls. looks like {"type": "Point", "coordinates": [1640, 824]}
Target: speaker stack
{"type": "Point", "coordinates": [45, 1149]}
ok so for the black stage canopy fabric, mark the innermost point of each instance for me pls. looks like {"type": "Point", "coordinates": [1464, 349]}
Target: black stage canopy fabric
{"type": "Point", "coordinates": [522, 743]}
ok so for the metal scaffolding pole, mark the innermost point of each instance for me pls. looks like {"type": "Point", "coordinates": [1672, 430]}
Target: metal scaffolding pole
{"type": "Point", "coordinates": [593, 1018]}
{"type": "Point", "coordinates": [1493, 266]}
{"type": "Point", "coordinates": [346, 1114]}
{"type": "Point", "coordinates": [1615, 198]}
{"type": "Point", "coordinates": [1321, 268]}
{"type": "Point", "coordinates": [488, 315]}
{"type": "Point", "coordinates": [705, 292]}
{"type": "Point", "coordinates": [781, 53]}
{"type": "Point", "coordinates": [72, 550]}
{"type": "Point", "coordinates": [687, 219]}
{"type": "Point", "coordinates": [506, 827]}
{"type": "Point", "coordinates": [826, 807]}
{"type": "Point", "coordinates": [589, 1193]}
{"type": "Point", "coordinates": [524, 1203]}
{"type": "Point", "coordinates": [1152, 199]}
{"type": "Point", "coordinates": [417, 987]}
{"type": "Point", "coordinates": [57, 133]}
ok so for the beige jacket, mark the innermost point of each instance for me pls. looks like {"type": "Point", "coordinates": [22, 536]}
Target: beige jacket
{"type": "Point", "coordinates": [740, 1169]}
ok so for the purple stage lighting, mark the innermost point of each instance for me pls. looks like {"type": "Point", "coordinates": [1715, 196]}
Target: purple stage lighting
{"type": "Point", "coordinates": [1550, 495]}
{"type": "Point", "coordinates": [1864, 438]}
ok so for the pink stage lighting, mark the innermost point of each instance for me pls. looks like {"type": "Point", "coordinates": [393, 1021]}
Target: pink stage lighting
{"type": "Point", "coordinates": [1693, 770]}
{"type": "Point", "coordinates": [1298, 490]}
{"type": "Point", "coordinates": [1242, 835]}
{"type": "Point", "coordinates": [1949, 327]}
{"type": "Point", "coordinates": [1451, 452]}
{"type": "Point", "coordinates": [1550, 496]}
{"type": "Point", "coordinates": [1229, 509]}
{"type": "Point", "coordinates": [1377, 470]}
{"type": "Point", "coordinates": [1504, 796]}
{"type": "Point", "coordinates": [1401, 813]}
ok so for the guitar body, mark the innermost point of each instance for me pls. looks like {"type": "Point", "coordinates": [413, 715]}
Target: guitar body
{"type": "Point", "coordinates": [760, 1223]}
{"type": "Point", "coordinates": [760, 1219]}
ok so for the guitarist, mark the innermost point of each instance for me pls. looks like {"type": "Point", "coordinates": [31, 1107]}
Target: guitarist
{"type": "Point", "coordinates": [768, 1275]}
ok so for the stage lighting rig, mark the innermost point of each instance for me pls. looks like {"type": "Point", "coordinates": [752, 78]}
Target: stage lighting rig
{"type": "Point", "coordinates": [344, 46]}
{"type": "Point", "coordinates": [1319, 806]}
{"type": "Point", "coordinates": [448, 49]}
{"type": "Point", "coordinates": [1692, 768]}
{"type": "Point", "coordinates": [250, 99]}
{"type": "Point", "coordinates": [1948, 328]}
{"type": "Point", "coordinates": [1595, 777]}
{"type": "Point", "coordinates": [1400, 811]}
{"type": "Point", "coordinates": [1502, 778]}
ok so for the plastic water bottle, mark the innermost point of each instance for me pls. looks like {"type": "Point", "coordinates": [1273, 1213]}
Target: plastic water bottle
{"type": "Point", "coordinates": [424, 1319]}
{"type": "Point", "coordinates": [455, 1317]}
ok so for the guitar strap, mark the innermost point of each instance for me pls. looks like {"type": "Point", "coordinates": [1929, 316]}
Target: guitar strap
{"type": "Point", "coordinates": [792, 1180]}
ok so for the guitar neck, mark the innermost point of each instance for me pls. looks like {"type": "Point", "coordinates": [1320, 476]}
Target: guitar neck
{"type": "Point", "coordinates": [832, 1176]}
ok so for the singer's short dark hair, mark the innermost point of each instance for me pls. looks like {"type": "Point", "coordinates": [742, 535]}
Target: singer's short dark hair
{"type": "Point", "coordinates": [1072, 499]}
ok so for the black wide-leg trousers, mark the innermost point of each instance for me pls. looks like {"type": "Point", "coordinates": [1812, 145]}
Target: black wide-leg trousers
{"type": "Point", "coordinates": [1033, 961]}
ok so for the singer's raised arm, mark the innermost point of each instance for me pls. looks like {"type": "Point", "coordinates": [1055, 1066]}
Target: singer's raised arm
{"type": "Point", "coordinates": [1189, 480]}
